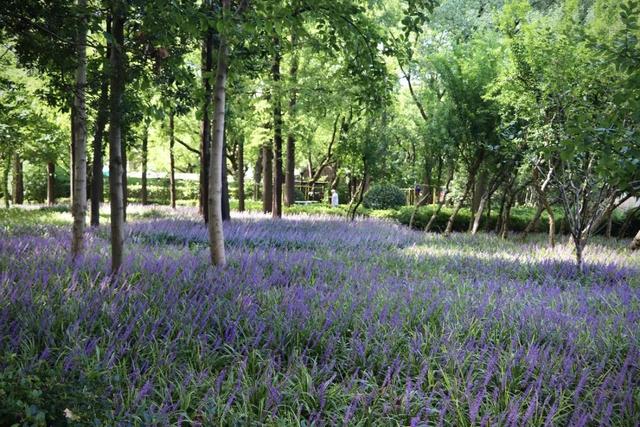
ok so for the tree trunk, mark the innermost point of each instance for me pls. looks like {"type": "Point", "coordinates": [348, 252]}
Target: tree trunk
{"type": "Point", "coordinates": [145, 159]}
{"type": "Point", "coordinates": [257, 176]}
{"type": "Point", "coordinates": [635, 243]}
{"type": "Point", "coordinates": [358, 198]}
{"type": "Point", "coordinates": [225, 206]}
{"type": "Point", "coordinates": [290, 178]}
{"type": "Point", "coordinates": [267, 181]}
{"type": "Point", "coordinates": [5, 181]}
{"type": "Point", "coordinates": [205, 129]}
{"type": "Point", "coordinates": [506, 215]}
{"type": "Point", "coordinates": [18, 180]}
{"type": "Point", "coordinates": [79, 206]}
{"type": "Point", "coordinates": [117, 80]}
{"type": "Point", "coordinates": [478, 215]}
{"type": "Point", "coordinates": [441, 201]}
{"type": "Point", "coordinates": [609, 225]}
{"type": "Point", "coordinates": [125, 180]}
{"type": "Point", "coordinates": [479, 192]}
{"type": "Point", "coordinates": [97, 180]}
{"type": "Point", "coordinates": [97, 184]}
{"type": "Point", "coordinates": [534, 221]}
{"type": "Point", "coordinates": [240, 175]}
{"type": "Point", "coordinates": [216, 232]}
{"type": "Point", "coordinates": [72, 156]}
{"type": "Point", "coordinates": [277, 133]}
{"type": "Point", "coordinates": [458, 206]}
{"type": "Point", "coordinates": [579, 246]}
{"type": "Point", "coordinates": [172, 165]}
{"type": "Point", "coordinates": [51, 183]}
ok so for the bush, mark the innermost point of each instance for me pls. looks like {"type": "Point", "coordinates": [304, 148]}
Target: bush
{"type": "Point", "coordinates": [384, 196]}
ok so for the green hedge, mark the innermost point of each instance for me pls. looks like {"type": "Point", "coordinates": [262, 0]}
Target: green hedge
{"type": "Point", "coordinates": [384, 196]}
{"type": "Point", "coordinates": [520, 217]}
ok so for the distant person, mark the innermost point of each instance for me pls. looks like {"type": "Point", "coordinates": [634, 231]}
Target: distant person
{"type": "Point", "coordinates": [417, 191]}
{"type": "Point", "coordinates": [335, 199]}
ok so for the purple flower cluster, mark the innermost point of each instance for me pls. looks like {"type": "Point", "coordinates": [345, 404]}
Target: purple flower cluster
{"type": "Point", "coordinates": [327, 321]}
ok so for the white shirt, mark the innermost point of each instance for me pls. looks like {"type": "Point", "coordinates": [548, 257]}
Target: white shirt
{"type": "Point", "coordinates": [334, 199]}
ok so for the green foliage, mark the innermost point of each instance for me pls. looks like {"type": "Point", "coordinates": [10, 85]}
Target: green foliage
{"type": "Point", "coordinates": [384, 196]}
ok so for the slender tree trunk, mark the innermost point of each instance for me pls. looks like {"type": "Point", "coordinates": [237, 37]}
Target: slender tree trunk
{"type": "Point", "coordinates": [478, 215]}
{"type": "Point", "coordinates": [441, 201]}
{"type": "Point", "coordinates": [458, 206]}
{"type": "Point", "coordinates": [240, 175]}
{"type": "Point", "coordinates": [257, 176]}
{"type": "Point", "coordinates": [506, 215]}
{"type": "Point", "coordinates": [145, 159]}
{"type": "Point", "coordinates": [51, 183]}
{"type": "Point", "coordinates": [205, 129]}
{"type": "Point", "coordinates": [79, 207]}
{"type": "Point", "coordinates": [579, 246]}
{"type": "Point", "coordinates": [172, 165]}
{"type": "Point", "coordinates": [97, 180]}
{"type": "Point", "coordinates": [72, 156]}
{"type": "Point", "coordinates": [358, 199]}
{"type": "Point", "coordinates": [225, 207]}
{"type": "Point", "coordinates": [5, 181]}
{"type": "Point", "coordinates": [267, 180]}
{"type": "Point", "coordinates": [609, 225]}
{"type": "Point", "coordinates": [216, 232]}
{"type": "Point", "coordinates": [18, 180]}
{"type": "Point", "coordinates": [125, 181]}
{"type": "Point", "coordinates": [97, 184]}
{"type": "Point", "coordinates": [277, 134]}
{"type": "Point", "coordinates": [117, 79]}
{"type": "Point", "coordinates": [290, 178]}
{"type": "Point", "coordinates": [534, 221]}
{"type": "Point", "coordinates": [635, 243]}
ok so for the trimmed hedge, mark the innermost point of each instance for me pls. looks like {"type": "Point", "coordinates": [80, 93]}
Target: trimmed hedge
{"type": "Point", "coordinates": [384, 196]}
{"type": "Point", "coordinates": [520, 218]}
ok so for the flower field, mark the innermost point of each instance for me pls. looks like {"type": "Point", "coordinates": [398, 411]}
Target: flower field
{"type": "Point", "coordinates": [314, 321]}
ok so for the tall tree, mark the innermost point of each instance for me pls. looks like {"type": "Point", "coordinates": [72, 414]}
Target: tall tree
{"type": "Point", "coordinates": [79, 208]}
{"type": "Point", "coordinates": [117, 83]}
{"type": "Point", "coordinates": [216, 232]}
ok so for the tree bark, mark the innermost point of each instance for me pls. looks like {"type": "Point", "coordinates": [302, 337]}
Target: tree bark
{"type": "Point", "coordinates": [216, 232]}
{"type": "Point", "coordinates": [506, 215]}
{"type": "Point", "coordinates": [5, 181]}
{"type": "Point", "coordinates": [205, 129]}
{"type": "Point", "coordinates": [18, 180]}
{"type": "Point", "coordinates": [441, 202]}
{"type": "Point", "coordinates": [267, 181]}
{"type": "Point", "coordinates": [145, 159]}
{"type": "Point", "coordinates": [172, 163]}
{"type": "Point", "coordinates": [125, 181]}
{"type": "Point", "coordinates": [225, 207]}
{"type": "Point", "coordinates": [358, 198]}
{"type": "Point", "coordinates": [79, 206]}
{"type": "Point", "coordinates": [290, 178]}
{"type": "Point", "coordinates": [51, 183]}
{"type": "Point", "coordinates": [277, 133]}
{"type": "Point", "coordinates": [240, 175]}
{"type": "Point", "coordinates": [117, 80]}
{"type": "Point", "coordinates": [467, 189]}
{"type": "Point", "coordinates": [97, 181]}
{"type": "Point", "coordinates": [635, 243]}
{"type": "Point", "coordinates": [72, 156]}
{"type": "Point", "coordinates": [534, 221]}
{"type": "Point", "coordinates": [478, 214]}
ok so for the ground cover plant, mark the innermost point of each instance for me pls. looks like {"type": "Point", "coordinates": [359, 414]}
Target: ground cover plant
{"type": "Point", "coordinates": [314, 320]}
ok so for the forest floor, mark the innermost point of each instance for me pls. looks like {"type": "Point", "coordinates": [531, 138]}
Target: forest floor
{"type": "Point", "coordinates": [315, 319]}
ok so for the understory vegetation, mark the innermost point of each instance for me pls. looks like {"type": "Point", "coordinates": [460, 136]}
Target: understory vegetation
{"type": "Point", "coordinates": [314, 320]}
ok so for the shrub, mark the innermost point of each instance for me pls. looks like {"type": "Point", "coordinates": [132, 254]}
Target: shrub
{"type": "Point", "coordinates": [384, 196]}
